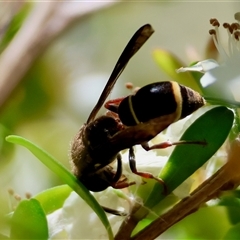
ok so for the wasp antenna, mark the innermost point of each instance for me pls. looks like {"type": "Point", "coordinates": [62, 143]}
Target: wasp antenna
{"type": "Point", "coordinates": [135, 43]}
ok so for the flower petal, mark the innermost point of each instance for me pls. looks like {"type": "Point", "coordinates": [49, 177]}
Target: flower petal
{"type": "Point", "coordinates": [202, 66]}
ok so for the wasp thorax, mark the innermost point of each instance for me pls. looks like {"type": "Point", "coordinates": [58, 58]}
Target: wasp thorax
{"type": "Point", "coordinates": [101, 130]}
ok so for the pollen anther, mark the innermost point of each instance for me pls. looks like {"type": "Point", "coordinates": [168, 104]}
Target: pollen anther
{"type": "Point", "coordinates": [233, 36]}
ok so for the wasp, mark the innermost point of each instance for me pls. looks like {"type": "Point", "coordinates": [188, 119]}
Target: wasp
{"type": "Point", "coordinates": [132, 120]}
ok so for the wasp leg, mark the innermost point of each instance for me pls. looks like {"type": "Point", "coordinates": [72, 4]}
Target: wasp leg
{"type": "Point", "coordinates": [119, 181]}
{"type": "Point", "coordinates": [118, 173]}
{"type": "Point", "coordinates": [169, 144]}
{"type": "Point", "coordinates": [132, 164]}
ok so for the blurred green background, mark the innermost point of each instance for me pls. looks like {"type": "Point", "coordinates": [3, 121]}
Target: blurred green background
{"type": "Point", "coordinates": [59, 91]}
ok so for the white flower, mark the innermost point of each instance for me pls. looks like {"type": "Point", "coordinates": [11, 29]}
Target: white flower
{"type": "Point", "coordinates": [220, 77]}
{"type": "Point", "coordinates": [56, 225]}
{"type": "Point", "coordinates": [76, 220]}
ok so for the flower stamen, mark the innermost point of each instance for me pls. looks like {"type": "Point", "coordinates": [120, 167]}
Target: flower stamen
{"type": "Point", "coordinates": [236, 35]}
{"type": "Point", "coordinates": [213, 72]}
{"type": "Point", "coordinates": [233, 36]}
{"type": "Point", "coordinates": [216, 37]}
{"type": "Point", "coordinates": [235, 26]}
{"type": "Point", "coordinates": [228, 27]}
{"type": "Point", "coordinates": [231, 43]}
{"type": "Point", "coordinates": [214, 22]}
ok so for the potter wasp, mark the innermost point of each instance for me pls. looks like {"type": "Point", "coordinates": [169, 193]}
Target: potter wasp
{"type": "Point", "coordinates": [131, 120]}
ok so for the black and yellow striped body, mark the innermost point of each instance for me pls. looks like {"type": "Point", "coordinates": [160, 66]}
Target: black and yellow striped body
{"type": "Point", "coordinates": [159, 99]}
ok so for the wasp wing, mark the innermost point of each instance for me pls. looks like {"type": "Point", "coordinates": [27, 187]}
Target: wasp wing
{"type": "Point", "coordinates": [135, 43]}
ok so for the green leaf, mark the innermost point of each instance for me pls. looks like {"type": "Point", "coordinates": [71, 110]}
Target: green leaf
{"type": "Point", "coordinates": [29, 221]}
{"type": "Point", "coordinates": [207, 223]}
{"type": "Point", "coordinates": [212, 127]}
{"type": "Point", "coordinates": [5, 148]}
{"type": "Point", "coordinates": [53, 198]}
{"type": "Point", "coordinates": [233, 233]}
{"type": "Point", "coordinates": [141, 225]}
{"type": "Point", "coordinates": [66, 176]}
{"type": "Point", "coordinates": [169, 63]}
{"type": "Point", "coordinates": [3, 237]}
{"type": "Point", "coordinates": [232, 203]}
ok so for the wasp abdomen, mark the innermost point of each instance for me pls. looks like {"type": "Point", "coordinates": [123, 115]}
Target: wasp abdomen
{"type": "Point", "coordinates": [159, 99]}
{"type": "Point", "coordinates": [191, 101]}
